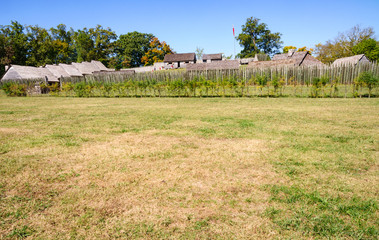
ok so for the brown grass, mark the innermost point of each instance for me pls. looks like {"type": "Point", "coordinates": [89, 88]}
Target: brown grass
{"type": "Point", "coordinates": [147, 178]}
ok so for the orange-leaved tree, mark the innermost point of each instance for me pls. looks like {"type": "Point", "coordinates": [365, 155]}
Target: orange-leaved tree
{"type": "Point", "coordinates": [157, 51]}
{"type": "Point", "coordinates": [302, 49]}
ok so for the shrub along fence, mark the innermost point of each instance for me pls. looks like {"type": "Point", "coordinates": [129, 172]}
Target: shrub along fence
{"type": "Point", "coordinates": [317, 81]}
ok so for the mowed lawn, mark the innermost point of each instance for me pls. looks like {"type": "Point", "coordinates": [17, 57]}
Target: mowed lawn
{"type": "Point", "coordinates": [188, 168]}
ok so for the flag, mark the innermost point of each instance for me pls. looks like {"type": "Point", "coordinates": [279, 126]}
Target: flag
{"type": "Point", "coordinates": [233, 32]}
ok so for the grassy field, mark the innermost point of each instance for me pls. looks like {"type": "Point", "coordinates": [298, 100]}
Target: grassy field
{"type": "Point", "coordinates": [174, 168]}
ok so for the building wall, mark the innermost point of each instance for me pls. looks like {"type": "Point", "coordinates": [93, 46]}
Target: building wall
{"type": "Point", "coordinates": [175, 65]}
{"type": "Point", "coordinates": [210, 60]}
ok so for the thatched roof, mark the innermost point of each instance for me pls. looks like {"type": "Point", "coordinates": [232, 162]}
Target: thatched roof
{"type": "Point", "coordinates": [26, 72]}
{"type": "Point", "coordinates": [216, 56]}
{"type": "Point", "coordinates": [351, 60]}
{"type": "Point", "coordinates": [290, 59]}
{"type": "Point", "coordinates": [21, 72]}
{"type": "Point", "coordinates": [227, 64]}
{"type": "Point", "coordinates": [57, 70]}
{"type": "Point", "coordinates": [284, 62]}
{"type": "Point", "coordinates": [297, 57]}
{"type": "Point", "coordinates": [180, 57]}
{"type": "Point", "coordinates": [86, 68]}
{"type": "Point", "coordinates": [100, 65]}
{"type": "Point", "coordinates": [52, 73]}
{"type": "Point", "coordinates": [44, 72]}
{"type": "Point", "coordinates": [71, 70]}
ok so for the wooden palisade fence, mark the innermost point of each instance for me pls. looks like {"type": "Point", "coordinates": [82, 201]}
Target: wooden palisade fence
{"type": "Point", "coordinates": [306, 81]}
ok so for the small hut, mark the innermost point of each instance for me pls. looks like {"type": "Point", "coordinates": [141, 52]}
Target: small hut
{"type": "Point", "coordinates": [16, 72]}
{"type": "Point", "coordinates": [353, 60]}
{"type": "Point", "coordinates": [179, 60]}
{"type": "Point", "coordinates": [207, 58]}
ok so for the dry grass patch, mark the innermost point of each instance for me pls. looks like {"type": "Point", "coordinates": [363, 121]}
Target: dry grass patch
{"type": "Point", "coordinates": [175, 185]}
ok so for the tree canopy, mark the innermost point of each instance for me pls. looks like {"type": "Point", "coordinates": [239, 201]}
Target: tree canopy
{"type": "Point", "coordinates": [257, 38]}
{"type": "Point", "coordinates": [131, 47]}
{"type": "Point", "coordinates": [369, 47]}
{"type": "Point", "coordinates": [302, 49]}
{"type": "Point", "coordinates": [343, 44]}
{"type": "Point", "coordinates": [37, 46]}
{"type": "Point", "coordinates": [156, 52]}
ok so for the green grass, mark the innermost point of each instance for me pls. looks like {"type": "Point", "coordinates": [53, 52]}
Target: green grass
{"type": "Point", "coordinates": [188, 168]}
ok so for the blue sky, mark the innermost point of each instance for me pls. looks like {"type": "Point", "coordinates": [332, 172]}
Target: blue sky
{"type": "Point", "coordinates": [185, 25]}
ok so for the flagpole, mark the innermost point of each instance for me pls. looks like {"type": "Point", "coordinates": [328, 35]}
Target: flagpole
{"type": "Point", "coordinates": [234, 40]}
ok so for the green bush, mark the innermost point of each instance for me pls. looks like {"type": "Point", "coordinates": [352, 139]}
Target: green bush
{"type": "Point", "coordinates": [14, 89]}
{"type": "Point", "coordinates": [367, 79]}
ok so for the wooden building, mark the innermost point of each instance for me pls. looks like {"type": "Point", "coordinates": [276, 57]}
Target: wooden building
{"type": "Point", "coordinates": [16, 72]}
{"type": "Point", "coordinates": [207, 58]}
{"type": "Point", "coordinates": [53, 73]}
{"type": "Point", "coordinates": [178, 60]}
{"type": "Point", "coordinates": [291, 58]}
{"type": "Point", "coordinates": [353, 60]}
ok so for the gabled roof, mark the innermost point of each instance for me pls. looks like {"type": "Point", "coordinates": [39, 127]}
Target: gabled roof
{"type": "Point", "coordinates": [21, 72]}
{"type": "Point", "coordinates": [71, 70]}
{"type": "Point", "coordinates": [180, 57]}
{"type": "Point", "coordinates": [27, 72]}
{"type": "Point", "coordinates": [350, 60]}
{"type": "Point", "coordinates": [57, 70]}
{"type": "Point", "coordinates": [216, 56]}
{"type": "Point", "coordinates": [86, 68]}
{"type": "Point", "coordinates": [100, 65]}
{"type": "Point", "coordinates": [298, 57]}
{"type": "Point", "coordinates": [289, 59]}
{"type": "Point", "coordinates": [44, 72]}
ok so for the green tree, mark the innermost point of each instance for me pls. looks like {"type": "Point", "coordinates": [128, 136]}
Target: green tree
{"type": "Point", "coordinates": [102, 43]}
{"type": "Point", "coordinates": [257, 38]}
{"type": "Point", "coordinates": [199, 53]}
{"type": "Point", "coordinates": [83, 45]}
{"type": "Point", "coordinates": [6, 54]}
{"type": "Point", "coordinates": [131, 47]}
{"type": "Point", "coordinates": [40, 47]}
{"type": "Point", "coordinates": [343, 44]}
{"type": "Point", "coordinates": [287, 48]}
{"type": "Point", "coordinates": [63, 44]}
{"type": "Point", "coordinates": [369, 47]}
{"type": "Point", "coordinates": [17, 40]}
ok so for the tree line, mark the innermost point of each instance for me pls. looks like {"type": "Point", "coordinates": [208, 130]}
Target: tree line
{"type": "Point", "coordinates": [257, 38]}
{"type": "Point", "coordinates": [37, 46]}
